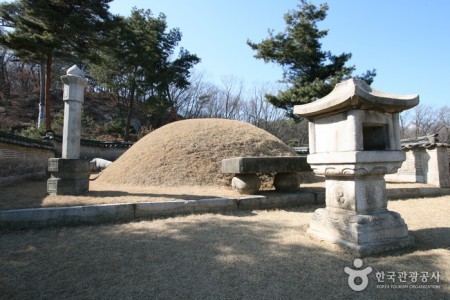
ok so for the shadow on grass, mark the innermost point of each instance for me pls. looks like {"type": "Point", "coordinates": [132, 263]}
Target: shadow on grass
{"type": "Point", "coordinates": [432, 238]}
{"type": "Point", "coordinates": [26, 194]}
{"type": "Point", "coordinates": [32, 193]}
{"type": "Point", "coordinates": [196, 257]}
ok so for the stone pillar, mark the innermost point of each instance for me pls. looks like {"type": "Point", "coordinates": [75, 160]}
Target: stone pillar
{"type": "Point", "coordinates": [73, 96]}
{"type": "Point", "coordinates": [70, 174]}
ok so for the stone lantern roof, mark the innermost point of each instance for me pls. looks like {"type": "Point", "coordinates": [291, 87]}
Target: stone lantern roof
{"type": "Point", "coordinates": [356, 94]}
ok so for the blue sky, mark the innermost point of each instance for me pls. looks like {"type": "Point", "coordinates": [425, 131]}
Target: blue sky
{"type": "Point", "coordinates": [406, 41]}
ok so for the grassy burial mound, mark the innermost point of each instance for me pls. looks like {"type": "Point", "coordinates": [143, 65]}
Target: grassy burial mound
{"type": "Point", "coordinates": [190, 152]}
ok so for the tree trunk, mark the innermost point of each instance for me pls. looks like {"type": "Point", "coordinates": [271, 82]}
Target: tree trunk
{"type": "Point", "coordinates": [48, 84]}
{"type": "Point", "coordinates": [173, 106]}
{"type": "Point", "coordinates": [41, 118]}
{"type": "Point", "coordinates": [130, 112]}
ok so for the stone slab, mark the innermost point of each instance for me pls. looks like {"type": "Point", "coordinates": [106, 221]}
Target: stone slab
{"type": "Point", "coordinates": [68, 176]}
{"type": "Point", "coordinates": [68, 166]}
{"type": "Point", "coordinates": [265, 164]}
{"type": "Point", "coordinates": [68, 186]}
{"type": "Point", "coordinates": [75, 215]}
{"type": "Point", "coordinates": [97, 214]}
{"type": "Point", "coordinates": [214, 204]}
{"type": "Point", "coordinates": [155, 209]}
{"type": "Point", "coordinates": [277, 201]}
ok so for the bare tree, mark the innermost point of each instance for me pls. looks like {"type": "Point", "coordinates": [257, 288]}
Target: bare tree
{"type": "Point", "coordinates": [191, 102]}
{"type": "Point", "coordinates": [425, 120]}
{"type": "Point", "coordinates": [224, 101]}
{"type": "Point", "coordinates": [231, 97]}
{"type": "Point", "coordinates": [259, 112]}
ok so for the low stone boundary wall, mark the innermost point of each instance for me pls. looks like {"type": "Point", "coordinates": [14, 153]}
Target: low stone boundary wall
{"type": "Point", "coordinates": [108, 213]}
{"type": "Point", "coordinates": [113, 213]}
{"type": "Point", "coordinates": [90, 149]}
{"type": "Point", "coordinates": [22, 158]}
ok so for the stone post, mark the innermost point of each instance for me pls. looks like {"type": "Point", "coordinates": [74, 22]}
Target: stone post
{"type": "Point", "coordinates": [354, 142]}
{"type": "Point", "coordinates": [73, 96]}
{"type": "Point", "coordinates": [70, 174]}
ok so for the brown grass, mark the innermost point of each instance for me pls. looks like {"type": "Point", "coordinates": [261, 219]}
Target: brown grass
{"type": "Point", "coordinates": [190, 152]}
{"type": "Point", "coordinates": [244, 255]}
{"type": "Point", "coordinates": [33, 194]}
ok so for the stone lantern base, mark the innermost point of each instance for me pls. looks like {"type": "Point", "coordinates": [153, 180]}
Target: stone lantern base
{"type": "Point", "coordinates": [68, 176]}
{"type": "Point", "coordinates": [357, 218]}
{"type": "Point", "coordinates": [362, 234]}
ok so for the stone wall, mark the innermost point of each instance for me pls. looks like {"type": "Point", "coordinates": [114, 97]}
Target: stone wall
{"type": "Point", "coordinates": [90, 149]}
{"type": "Point", "coordinates": [22, 158]}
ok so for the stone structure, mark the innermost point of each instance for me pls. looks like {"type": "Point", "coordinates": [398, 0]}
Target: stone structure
{"type": "Point", "coordinates": [246, 170]}
{"type": "Point", "coordinates": [427, 161]}
{"type": "Point", "coordinates": [22, 158]}
{"type": "Point", "coordinates": [90, 149]}
{"type": "Point", "coordinates": [70, 174]}
{"type": "Point", "coordinates": [354, 141]}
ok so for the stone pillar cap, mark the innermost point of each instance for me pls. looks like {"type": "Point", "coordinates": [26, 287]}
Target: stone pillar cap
{"type": "Point", "coordinates": [74, 70]}
{"type": "Point", "coordinates": [356, 94]}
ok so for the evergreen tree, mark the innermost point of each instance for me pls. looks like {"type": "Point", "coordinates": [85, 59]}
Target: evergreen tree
{"type": "Point", "coordinates": [310, 72]}
{"type": "Point", "coordinates": [49, 29]}
{"type": "Point", "coordinates": [139, 64]}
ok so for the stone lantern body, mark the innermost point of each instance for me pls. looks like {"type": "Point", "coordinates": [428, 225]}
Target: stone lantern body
{"type": "Point", "coordinates": [354, 139]}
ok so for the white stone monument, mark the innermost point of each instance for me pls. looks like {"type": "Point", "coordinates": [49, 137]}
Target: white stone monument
{"type": "Point", "coordinates": [354, 140]}
{"type": "Point", "coordinates": [70, 174]}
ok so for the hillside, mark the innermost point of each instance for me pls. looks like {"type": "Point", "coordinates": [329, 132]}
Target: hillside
{"type": "Point", "coordinates": [19, 112]}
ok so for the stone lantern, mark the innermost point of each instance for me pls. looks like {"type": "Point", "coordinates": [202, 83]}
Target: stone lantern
{"type": "Point", "coordinates": [354, 139]}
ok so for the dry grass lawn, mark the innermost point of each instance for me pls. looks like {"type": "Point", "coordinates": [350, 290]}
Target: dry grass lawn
{"type": "Point", "coordinates": [33, 193]}
{"type": "Point", "coordinates": [243, 255]}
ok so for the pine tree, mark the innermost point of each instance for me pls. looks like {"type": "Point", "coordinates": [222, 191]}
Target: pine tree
{"type": "Point", "coordinates": [139, 63]}
{"type": "Point", "coordinates": [49, 29]}
{"type": "Point", "coordinates": [309, 71]}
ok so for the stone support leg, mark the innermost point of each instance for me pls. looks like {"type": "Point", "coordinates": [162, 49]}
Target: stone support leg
{"type": "Point", "coordinates": [246, 183]}
{"type": "Point", "coordinates": [286, 182]}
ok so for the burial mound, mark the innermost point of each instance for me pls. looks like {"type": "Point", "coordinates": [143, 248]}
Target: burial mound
{"type": "Point", "coordinates": [190, 152]}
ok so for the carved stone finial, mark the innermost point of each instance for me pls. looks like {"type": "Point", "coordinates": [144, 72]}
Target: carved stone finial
{"type": "Point", "coordinates": [74, 70]}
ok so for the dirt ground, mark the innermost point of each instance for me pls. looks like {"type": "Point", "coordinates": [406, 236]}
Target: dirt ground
{"type": "Point", "coordinates": [242, 255]}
